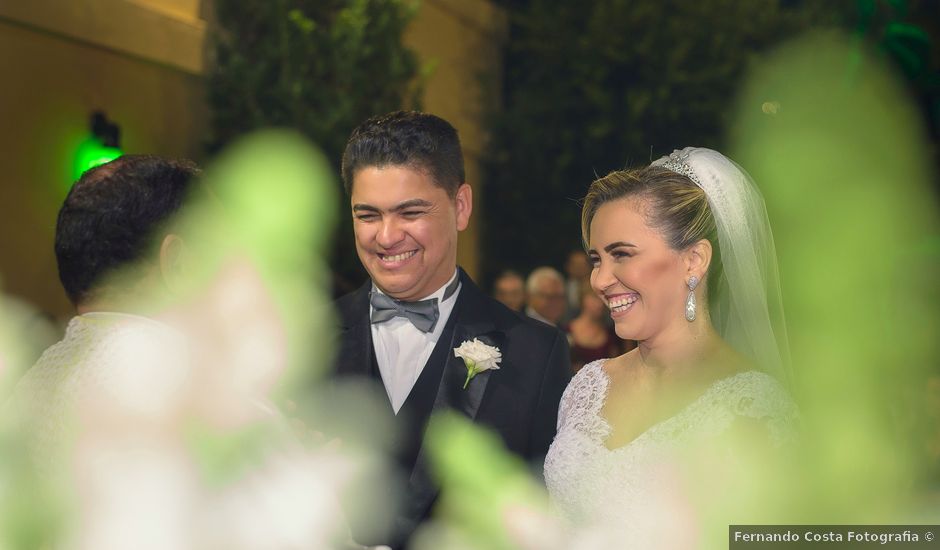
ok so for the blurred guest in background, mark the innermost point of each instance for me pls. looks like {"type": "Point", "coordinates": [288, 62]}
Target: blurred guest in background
{"type": "Point", "coordinates": [545, 295]}
{"type": "Point", "coordinates": [590, 335]}
{"type": "Point", "coordinates": [115, 371]}
{"type": "Point", "coordinates": [178, 343]}
{"type": "Point", "coordinates": [112, 250]}
{"type": "Point", "coordinates": [578, 270]}
{"type": "Point", "coordinates": [509, 289]}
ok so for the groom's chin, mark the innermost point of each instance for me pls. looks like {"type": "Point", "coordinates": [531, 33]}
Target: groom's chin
{"type": "Point", "coordinates": [390, 283]}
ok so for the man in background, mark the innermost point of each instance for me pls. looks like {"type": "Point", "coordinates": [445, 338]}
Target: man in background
{"type": "Point", "coordinates": [509, 289]}
{"type": "Point", "coordinates": [545, 294]}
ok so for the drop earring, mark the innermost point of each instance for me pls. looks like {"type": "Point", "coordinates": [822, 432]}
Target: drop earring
{"type": "Point", "coordinates": [690, 301]}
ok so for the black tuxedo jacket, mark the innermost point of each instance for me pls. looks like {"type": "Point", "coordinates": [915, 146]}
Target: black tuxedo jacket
{"type": "Point", "coordinates": [519, 401]}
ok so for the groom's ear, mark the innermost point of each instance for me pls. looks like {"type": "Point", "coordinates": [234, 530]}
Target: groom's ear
{"type": "Point", "coordinates": [698, 257]}
{"type": "Point", "coordinates": [464, 205]}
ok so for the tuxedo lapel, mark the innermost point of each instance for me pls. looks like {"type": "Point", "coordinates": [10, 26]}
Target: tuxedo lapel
{"type": "Point", "coordinates": [451, 393]}
{"type": "Point", "coordinates": [471, 322]}
{"type": "Point", "coordinates": [356, 351]}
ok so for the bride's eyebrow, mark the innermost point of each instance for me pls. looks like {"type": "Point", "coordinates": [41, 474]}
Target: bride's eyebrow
{"type": "Point", "coordinates": [618, 244]}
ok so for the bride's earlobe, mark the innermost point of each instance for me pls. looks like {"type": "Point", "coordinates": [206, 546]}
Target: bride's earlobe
{"type": "Point", "coordinates": [698, 258]}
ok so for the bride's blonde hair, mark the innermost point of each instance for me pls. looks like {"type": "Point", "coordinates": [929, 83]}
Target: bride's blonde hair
{"type": "Point", "coordinates": [674, 205]}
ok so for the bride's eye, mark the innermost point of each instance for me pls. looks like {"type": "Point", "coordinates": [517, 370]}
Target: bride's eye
{"type": "Point", "coordinates": [618, 254]}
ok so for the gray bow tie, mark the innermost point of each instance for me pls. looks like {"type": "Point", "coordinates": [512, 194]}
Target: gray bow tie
{"type": "Point", "coordinates": [423, 314]}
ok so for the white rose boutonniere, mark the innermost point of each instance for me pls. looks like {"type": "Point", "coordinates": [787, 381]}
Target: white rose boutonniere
{"type": "Point", "coordinates": [478, 357]}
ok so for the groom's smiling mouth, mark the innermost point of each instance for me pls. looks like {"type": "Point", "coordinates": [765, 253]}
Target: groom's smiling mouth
{"type": "Point", "coordinates": [397, 259]}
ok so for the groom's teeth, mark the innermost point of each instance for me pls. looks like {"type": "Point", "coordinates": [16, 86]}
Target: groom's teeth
{"type": "Point", "coordinates": [398, 257]}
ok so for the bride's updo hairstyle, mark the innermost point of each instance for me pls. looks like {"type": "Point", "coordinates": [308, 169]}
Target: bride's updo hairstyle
{"type": "Point", "coordinates": [696, 193]}
{"type": "Point", "coordinates": [672, 203]}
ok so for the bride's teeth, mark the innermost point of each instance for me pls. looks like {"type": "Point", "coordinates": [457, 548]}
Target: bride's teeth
{"type": "Point", "coordinates": [622, 303]}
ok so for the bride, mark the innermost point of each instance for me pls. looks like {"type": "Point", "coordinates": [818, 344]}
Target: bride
{"type": "Point", "coordinates": [684, 259]}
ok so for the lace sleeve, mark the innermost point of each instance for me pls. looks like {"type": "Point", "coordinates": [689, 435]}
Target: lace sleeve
{"type": "Point", "coordinates": [762, 398]}
{"type": "Point", "coordinates": [583, 398]}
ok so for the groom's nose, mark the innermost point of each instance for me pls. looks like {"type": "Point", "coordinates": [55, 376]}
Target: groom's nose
{"type": "Point", "coordinates": [390, 233]}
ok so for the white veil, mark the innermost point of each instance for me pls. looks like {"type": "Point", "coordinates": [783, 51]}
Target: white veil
{"type": "Point", "coordinates": [746, 308]}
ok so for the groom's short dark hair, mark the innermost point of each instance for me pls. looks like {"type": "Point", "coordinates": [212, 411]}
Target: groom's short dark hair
{"type": "Point", "coordinates": [406, 138]}
{"type": "Point", "coordinates": [111, 215]}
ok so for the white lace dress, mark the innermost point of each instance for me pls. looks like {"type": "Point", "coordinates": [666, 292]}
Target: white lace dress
{"type": "Point", "coordinates": [631, 492]}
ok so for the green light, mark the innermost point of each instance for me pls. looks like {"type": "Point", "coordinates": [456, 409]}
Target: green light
{"type": "Point", "coordinates": [91, 152]}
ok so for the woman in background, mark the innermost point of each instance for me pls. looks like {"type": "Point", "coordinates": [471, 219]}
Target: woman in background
{"type": "Point", "coordinates": [590, 334]}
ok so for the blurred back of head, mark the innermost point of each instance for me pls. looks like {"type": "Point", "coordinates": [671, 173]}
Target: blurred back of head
{"type": "Point", "coordinates": [112, 215]}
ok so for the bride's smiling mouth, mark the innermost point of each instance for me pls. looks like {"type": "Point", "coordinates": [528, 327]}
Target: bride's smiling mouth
{"type": "Point", "coordinates": [397, 259]}
{"type": "Point", "coordinates": [619, 304]}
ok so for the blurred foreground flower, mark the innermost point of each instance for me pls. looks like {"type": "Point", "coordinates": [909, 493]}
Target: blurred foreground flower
{"type": "Point", "coordinates": [164, 430]}
{"type": "Point", "coordinates": [489, 499]}
{"type": "Point", "coordinates": [846, 171]}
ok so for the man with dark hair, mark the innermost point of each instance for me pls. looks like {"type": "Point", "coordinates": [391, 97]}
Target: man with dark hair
{"type": "Point", "coordinates": [417, 140]}
{"type": "Point", "coordinates": [110, 221]}
{"type": "Point", "coordinates": [114, 253]}
{"type": "Point", "coordinates": [405, 179]}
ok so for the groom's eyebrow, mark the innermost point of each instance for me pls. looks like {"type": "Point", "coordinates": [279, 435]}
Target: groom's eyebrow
{"type": "Point", "coordinates": [404, 205]}
{"type": "Point", "coordinates": [618, 244]}
{"type": "Point", "coordinates": [411, 204]}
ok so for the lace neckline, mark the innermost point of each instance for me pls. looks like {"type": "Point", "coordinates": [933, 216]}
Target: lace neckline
{"type": "Point", "coordinates": [653, 429]}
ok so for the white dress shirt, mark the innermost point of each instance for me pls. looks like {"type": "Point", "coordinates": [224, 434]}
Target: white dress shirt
{"type": "Point", "coordinates": [402, 350]}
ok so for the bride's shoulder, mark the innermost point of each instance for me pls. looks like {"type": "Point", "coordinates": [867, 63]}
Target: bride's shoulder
{"type": "Point", "coordinates": [589, 376]}
{"type": "Point", "coordinates": [760, 397]}
{"type": "Point", "coordinates": [750, 392]}
{"type": "Point", "coordinates": [754, 389]}
{"type": "Point", "coordinates": [587, 389]}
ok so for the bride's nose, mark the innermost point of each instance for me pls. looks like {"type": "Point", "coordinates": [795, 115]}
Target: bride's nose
{"type": "Point", "coordinates": [602, 277]}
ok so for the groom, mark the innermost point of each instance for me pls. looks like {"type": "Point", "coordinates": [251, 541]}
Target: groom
{"type": "Point", "coordinates": [404, 175]}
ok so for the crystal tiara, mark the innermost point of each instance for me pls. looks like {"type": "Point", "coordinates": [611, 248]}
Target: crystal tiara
{"type": "Point", "coordinates": [676, 163]}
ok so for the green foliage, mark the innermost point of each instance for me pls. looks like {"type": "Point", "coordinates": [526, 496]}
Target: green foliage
{"type": "Point", "coordinates": [318, 66]}
{"type": "Point", "coordinates": [901, 31]}
{"type": "Point", "coordinates": [482, 485]}
{"type": "Point", "coordinates": [33, 509]}
{"type": "Point", "coordinates": [594, 87]}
